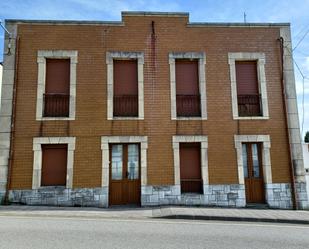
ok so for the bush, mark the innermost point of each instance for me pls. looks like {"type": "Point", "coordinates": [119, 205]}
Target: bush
{"type": "Point", "coordinates": [307, 137]}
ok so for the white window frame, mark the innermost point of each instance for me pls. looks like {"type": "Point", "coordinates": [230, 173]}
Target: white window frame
{"type": "Point", "coordinates": [260, 58]}
{"type": "Point", "coordinates": [41, 60]}
{"type": "Point", "coordinates": [107, 140]}
{"type": "Point", "coordinates": [110, 57]}
{"type": "Point", "coordinates": [201, 57]}
{"type": "Point", "coordinates": [37, 158]}
{"type": "Point", "coordinates": [203, 140]}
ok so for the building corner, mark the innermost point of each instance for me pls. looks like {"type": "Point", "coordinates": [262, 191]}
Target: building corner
{"type": "Point", "coordinates": [292, 118]}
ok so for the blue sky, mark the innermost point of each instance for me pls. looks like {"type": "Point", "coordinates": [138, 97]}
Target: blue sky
{"type": "Point", "coordinates": [296, 12]}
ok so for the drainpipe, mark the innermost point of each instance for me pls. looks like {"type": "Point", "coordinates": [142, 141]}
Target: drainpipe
{"type": "Point", "coordinates": [294, 195]}
{"type": "Point", "coordinates": [11, 150]}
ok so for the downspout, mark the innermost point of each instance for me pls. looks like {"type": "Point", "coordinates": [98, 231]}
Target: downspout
{"type": "Point", "coordinates": [12, 132]}
{"type": "Point", "coordinates": [293, 188]}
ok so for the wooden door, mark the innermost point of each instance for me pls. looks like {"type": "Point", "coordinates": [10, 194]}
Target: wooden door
{"type": "Point", "coordinates": [253, 172]}
{"type": "Point", "coordinates": [124, 174]}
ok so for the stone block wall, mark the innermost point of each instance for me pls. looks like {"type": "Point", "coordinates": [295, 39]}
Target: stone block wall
{"type": "Point", "coordinates": [60, 196]}
{"type": "Point", "coordinates": [278, 195]}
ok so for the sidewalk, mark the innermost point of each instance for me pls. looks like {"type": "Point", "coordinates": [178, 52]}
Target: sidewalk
{"type": "Point", "coordinates": [169, 212]}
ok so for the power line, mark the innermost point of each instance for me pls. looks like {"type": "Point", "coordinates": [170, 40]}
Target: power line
{"type": "Point", "coordinates": [303, 83]}
{"type": "Point", "coordinates": [301, 40]}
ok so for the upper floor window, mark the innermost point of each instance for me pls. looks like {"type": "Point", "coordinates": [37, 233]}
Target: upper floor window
{"type": "Point", "coordinates": [188, 85]}
{"type": "Point", "coordinates": [125, 85]}
{"type": "Point", "coordinates": [248, 86]}
{"type": "Point", "coordinates": [248, 96]}
{"type": "Point", "coordinates": [56, 92]}
{"type": "Point", "coordinates": [57, 88]}
{"type": "Point", "coordinates": [125, 88]}
{"type": "Point", "coordinates": [188, 99]}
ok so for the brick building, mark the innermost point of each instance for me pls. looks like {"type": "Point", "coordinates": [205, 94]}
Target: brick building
{"type": "Point", "coordinates": [150, 110]}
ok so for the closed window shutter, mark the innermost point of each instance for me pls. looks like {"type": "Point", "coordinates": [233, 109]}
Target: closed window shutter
{"type": "Point", "coordinates": [57, 76]}
{"type": "Point", "coordinates": [54, 165]}
{"type": "Point", "coordinates": [187, 77]}
{"type": "Point", "coordinates": [246, 78]}
{"type": "Point", "coordinates": [190, 168]}
{"type": "Point", "coordinates": [125, 77]}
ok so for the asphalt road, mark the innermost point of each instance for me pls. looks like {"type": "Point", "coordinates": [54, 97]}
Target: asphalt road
{"type": "Point", "coordinates": [51, 232]}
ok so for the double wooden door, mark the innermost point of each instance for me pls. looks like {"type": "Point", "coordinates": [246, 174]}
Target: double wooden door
{"type": "Point", "coordinates": [124, 176]}
{"type": "Point", "coordinates": [253, 172]}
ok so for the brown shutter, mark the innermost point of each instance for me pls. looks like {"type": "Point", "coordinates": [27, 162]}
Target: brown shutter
{"type": "Point", "coordinates": [125, 88]}
{"type": "Point", "coordinates": [57, 88]}
{"type": "Point", "coordinates": [54, 165]}
{"type": "Point", "coordinates": [190, 167]}
{"type": "Point", "coordinates": [246, 78]}
{"type": "Point", "coordinates": [57, 76]}
{"type": "Point", "coordinates": [187, 77]}
{"type": "Point", "coordinates": [125, 77]}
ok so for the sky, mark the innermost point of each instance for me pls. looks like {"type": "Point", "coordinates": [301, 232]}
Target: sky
{"type": "Point", "coordinates": [296, 12]}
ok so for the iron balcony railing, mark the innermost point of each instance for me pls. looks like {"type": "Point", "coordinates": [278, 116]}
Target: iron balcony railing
{"type": "Point", "coordinates": [126, 105]}
{"type": "Point", "coordinates": [56, 105]}
{"type": "Point", "coordinates": [188, 105]}
{"type": "Point", "coordinates": [191, 186]}
{"type": "Point", "coordinates": [249, 105]}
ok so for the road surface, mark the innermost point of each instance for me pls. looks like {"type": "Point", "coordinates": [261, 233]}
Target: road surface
{"type": "Point", "coordinates": [53, 232]}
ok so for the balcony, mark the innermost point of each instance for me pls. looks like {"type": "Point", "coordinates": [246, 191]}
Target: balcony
{"type": "Point", "coordinates": [192, 186]}
{"type": "Point", "coordinates": [56, 105]}
{"type": "Point", "coordinates": [126, 106]}
{"type": "Point", "coordinates": [249, 105]}
{"type": "Point", "coordinates": [188, 105]}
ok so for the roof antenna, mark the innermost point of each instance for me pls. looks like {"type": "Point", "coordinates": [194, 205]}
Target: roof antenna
{"type": "Point", "coordinates": [245, 17]}
{"type": "Point", "coordinates": [10, 38]}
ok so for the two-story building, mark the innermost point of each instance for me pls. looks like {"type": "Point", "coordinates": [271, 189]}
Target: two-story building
{"type": "Point", "coordinates": [150, 110]}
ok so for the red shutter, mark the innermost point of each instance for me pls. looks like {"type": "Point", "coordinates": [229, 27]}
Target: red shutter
{"type": "Point", "coordinates": [54, 165]}
{"type": "Point", "coordinates": [190, 167]}
{"type": "Point", "coordinates": [125, 88]}
{"type": "Point", "coordinates": [187, 77]}
{"type": "Point", "coordinates": [57, 88]}
{"type": "Point", "coordinates": [57, 76]}
{"type": "Point", "coordinates": [246, 78]}
{"type": "Point", "coordinates": [125, 77]}
{"type": "Point", "coordinates": [187, 88]}
{"type": "Point", "coordinates": [248, 97]}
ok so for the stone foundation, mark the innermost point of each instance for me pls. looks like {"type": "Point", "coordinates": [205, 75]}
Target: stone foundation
{"type": "Point", "coordinates": [302, 195]}
{"type": "Point", "coordinates": [60, 196]}
{"type": "Point", "coordinates": [278, 195]}
{"type": "Point", "coordinates": [233, 195]}
{"type": "Point", "coordinates": [214, 195]}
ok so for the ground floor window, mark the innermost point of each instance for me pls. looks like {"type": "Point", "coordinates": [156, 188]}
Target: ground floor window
{"type": "Point", "coordinates": [190, 168]}
{"type": "Point", "coordinates": [54, 164]}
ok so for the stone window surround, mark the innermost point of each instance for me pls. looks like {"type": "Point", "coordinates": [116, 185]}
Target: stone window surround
{"type": "Point", "coordinates": [107, 140]}
{"type": "Point", "coordinates": [41, 60]}
{"type": "Point", "coordinates": [204, 157]}
{"type": "Point", "coordinates": [37, 158]}
{"type": "Point", "coordinates": [110, 56]}
{"type": "Point", "coordinates": [260, 58]}
{"type": "Point", "coordinates": [266, 162]}
{"type": "Point", "coordinates": [201, 56]}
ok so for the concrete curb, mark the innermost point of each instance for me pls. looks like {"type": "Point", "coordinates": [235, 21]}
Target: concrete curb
{"type": "Point", "coordinates": [233, 218]}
